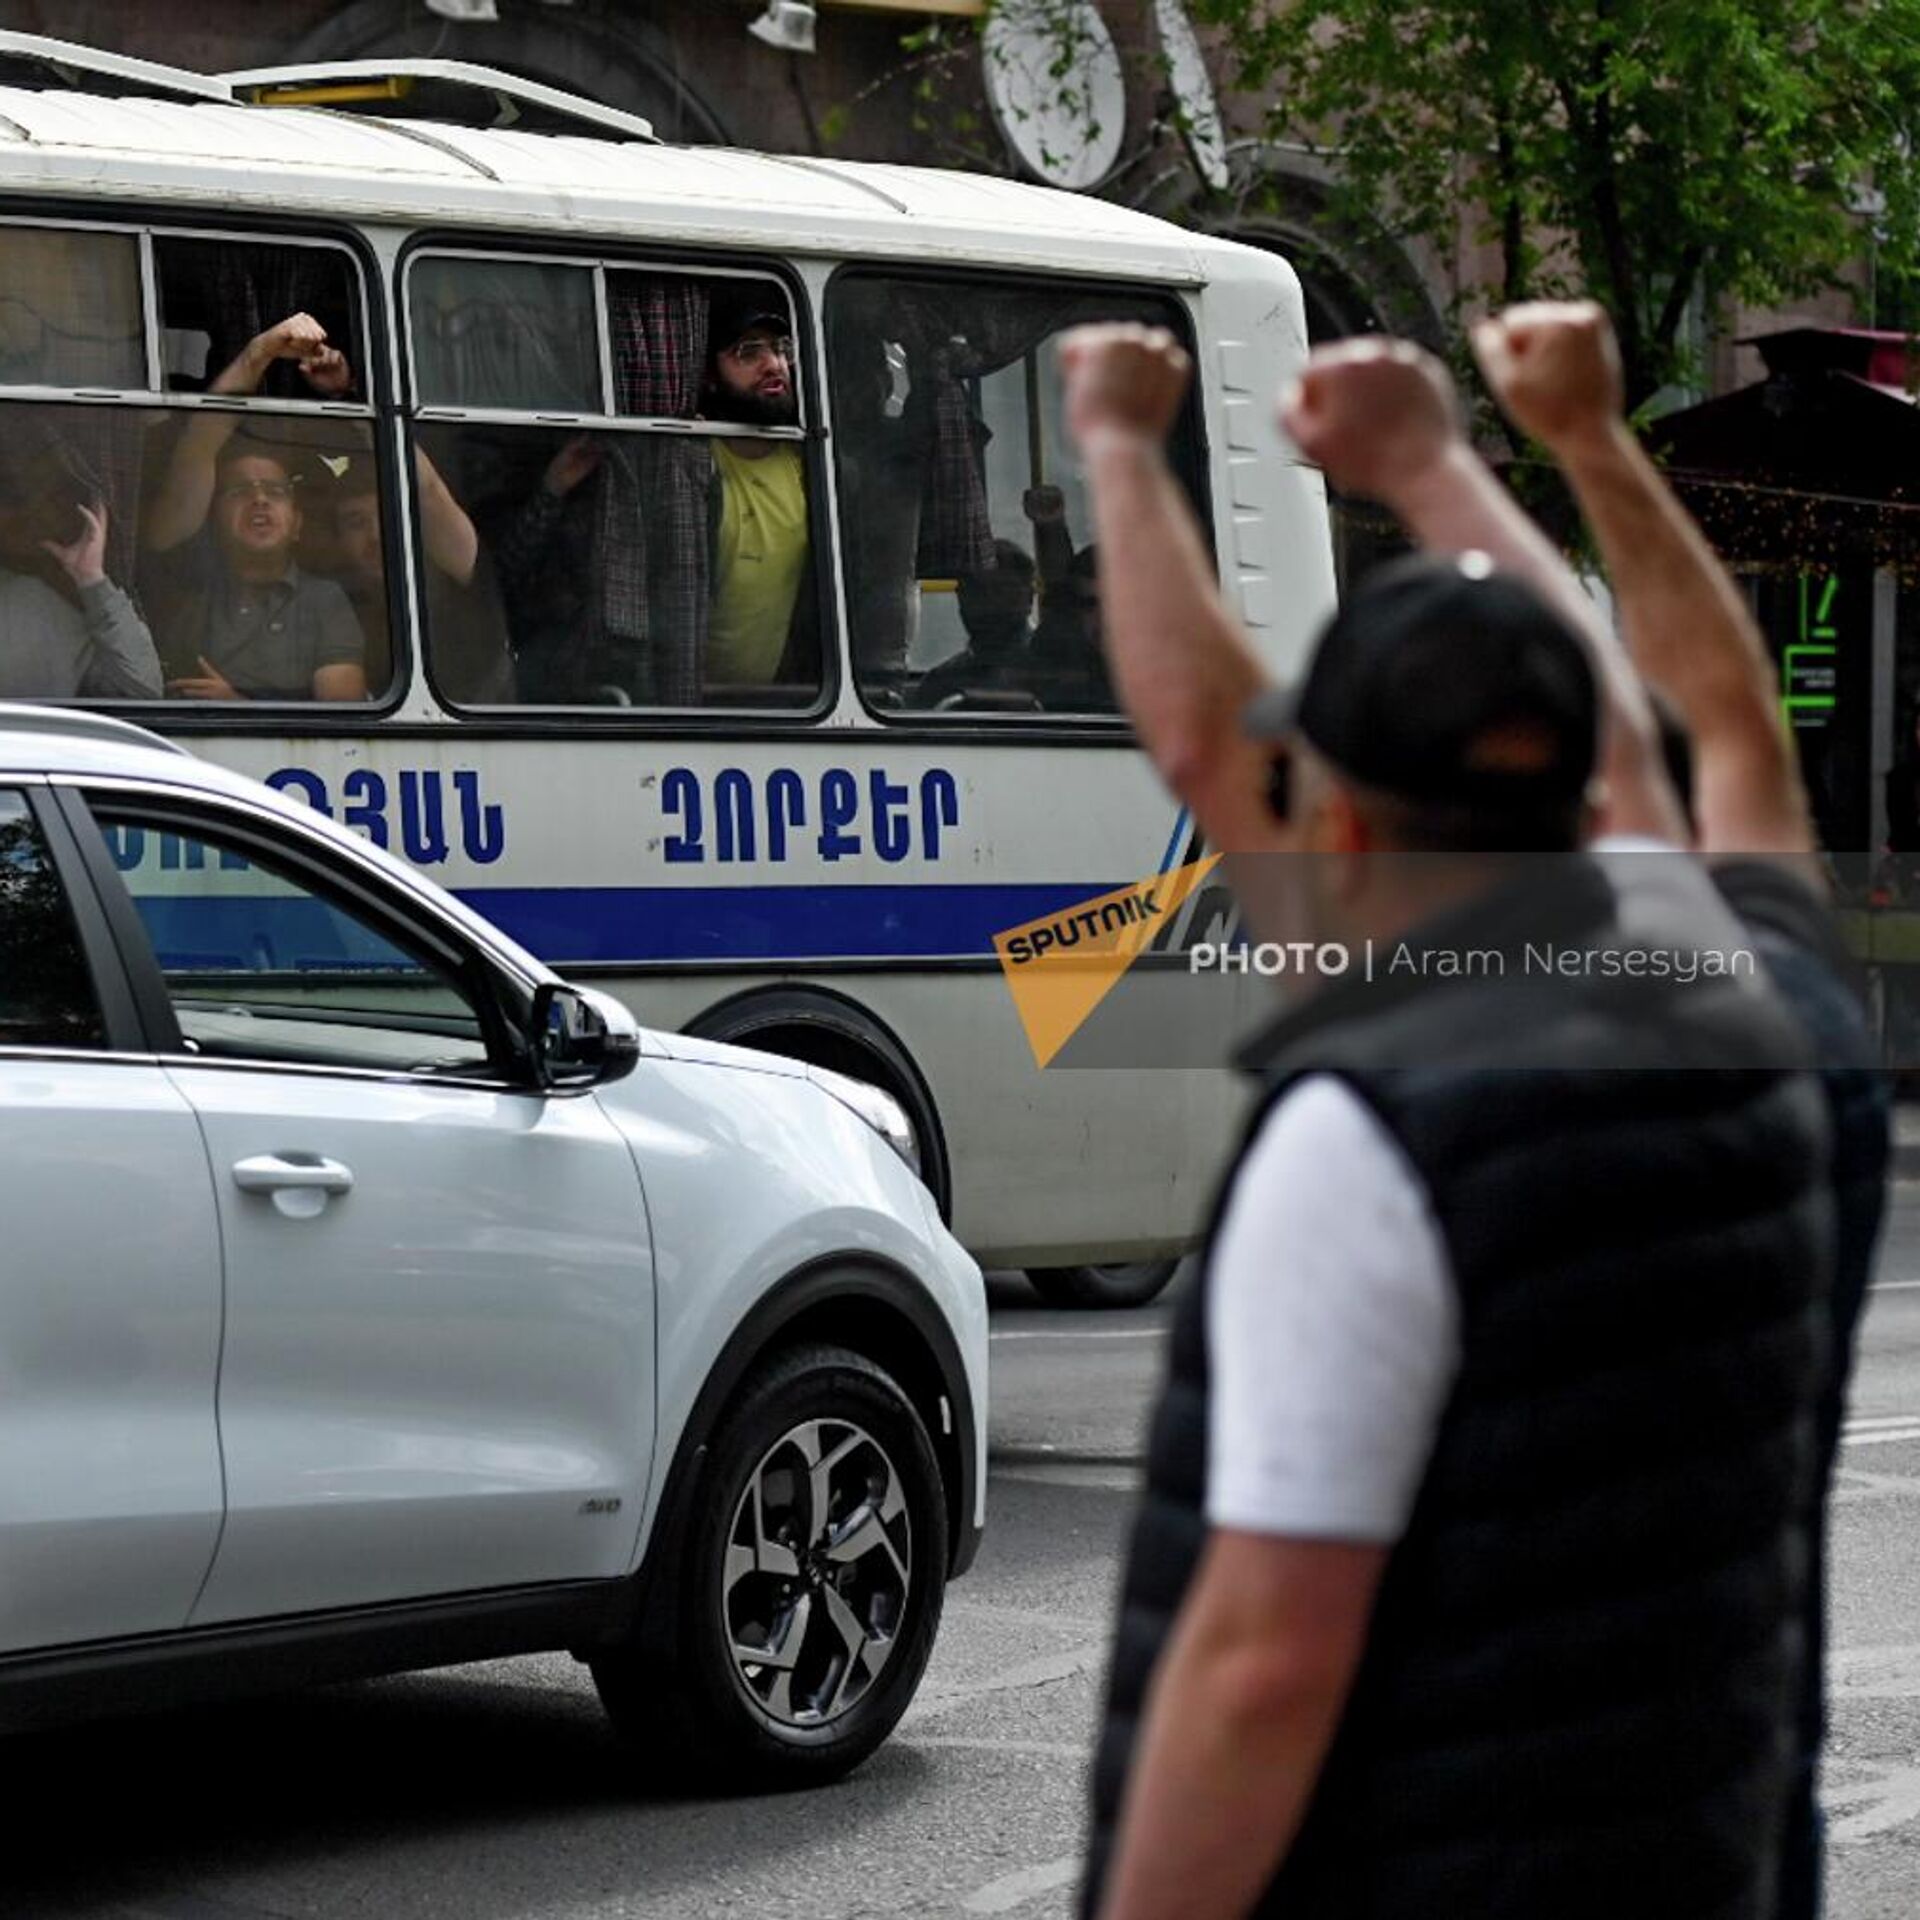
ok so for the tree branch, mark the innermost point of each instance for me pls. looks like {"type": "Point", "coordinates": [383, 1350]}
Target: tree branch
{"type": "Point", "coordinates": [1685, 275]}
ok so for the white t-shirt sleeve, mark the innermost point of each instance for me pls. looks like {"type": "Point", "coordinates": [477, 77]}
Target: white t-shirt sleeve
{"type": "Point", "coordinates": [1333, 1330]}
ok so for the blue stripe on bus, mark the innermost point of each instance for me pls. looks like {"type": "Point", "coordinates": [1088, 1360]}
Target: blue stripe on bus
{"type": "Point", "coordinates": [1173, 845]}
{"type": "Point", "coordinates": [693, 924]}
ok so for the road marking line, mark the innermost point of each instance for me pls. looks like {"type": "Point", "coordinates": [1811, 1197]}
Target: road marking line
{"type": "Point", "coordinates": [1010, 1616]}
{"type": "Point", "coordinates": [1894, 1286]}
{"type": "Point", "coordinates": [1016, 1889]}
{"type": "Point", "coordinates": [1882, 1436]}
{"type": "Point", "coordinates": [1065, 1333]}
{"type": "Point", "coordinates": [1086, 1476]}
{"type": "Point", "coordinates": [1874, 1673]}
{"type": "Point", "coordinates": [1047, 1749]}
{"type": "Point", "coordinates": [1890, 1799]}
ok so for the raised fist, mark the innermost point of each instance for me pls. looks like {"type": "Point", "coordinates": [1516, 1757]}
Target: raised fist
{"type": "Point", "coordinates": [327, 372]}
{"type": "Point", "coordinates": [1123, 380]}
{"type": "Point", "coordinates": [1374, 414]}
{"type": "Point", "coordinates": [1554, 368]}
{"type": "Point", "coordinates": [298, 337]}
{"type": "Point", "coordinates": [1044, 506]}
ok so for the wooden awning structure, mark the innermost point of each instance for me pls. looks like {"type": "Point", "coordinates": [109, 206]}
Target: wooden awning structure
{"type": "Point", "coordinates": [1817, 463]}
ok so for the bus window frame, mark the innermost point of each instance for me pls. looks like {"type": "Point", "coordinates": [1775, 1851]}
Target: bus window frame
{"type": "Point", "coordinates": [1113, 729]}
{"type": "Point", "coordinates": [148, 224]}
{"type": "Point", "coordinates": [610, 254]}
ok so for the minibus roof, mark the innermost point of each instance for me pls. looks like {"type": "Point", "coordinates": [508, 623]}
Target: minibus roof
{"type": "Point", "coordinates": [239, 160]}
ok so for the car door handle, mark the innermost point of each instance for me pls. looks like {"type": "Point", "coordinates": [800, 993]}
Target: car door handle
{"type": "Point", "coordinates": [281, 1172]}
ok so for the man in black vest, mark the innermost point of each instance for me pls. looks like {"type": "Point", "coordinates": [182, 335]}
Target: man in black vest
{"type": "Point", "coordinates": [1382, 420]}
{"type": "Point", "coordinates": [1522, 1635]}
{"type": "Point", "coordinates": [1468, 1577]}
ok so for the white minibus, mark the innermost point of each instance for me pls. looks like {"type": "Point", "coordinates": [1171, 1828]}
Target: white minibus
{"type": "Point", "coordinates": [416, 439]}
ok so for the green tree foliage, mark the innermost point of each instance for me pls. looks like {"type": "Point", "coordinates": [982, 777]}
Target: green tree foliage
{"type": "Point", "coordinates": [1640, 151]}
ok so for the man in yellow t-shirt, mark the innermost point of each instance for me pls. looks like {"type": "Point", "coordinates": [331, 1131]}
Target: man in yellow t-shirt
{"type": "Point", "coordinates": [760, 546]}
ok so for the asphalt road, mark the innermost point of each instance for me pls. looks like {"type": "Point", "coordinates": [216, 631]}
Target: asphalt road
{"type": "Point", "coordinates": [496, 1793]}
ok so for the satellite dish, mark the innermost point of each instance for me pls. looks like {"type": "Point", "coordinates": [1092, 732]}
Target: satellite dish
{"type": "Point", "coordinates": [1193, 94]}
{"type": "Point", "coordinates": [1055, 84]}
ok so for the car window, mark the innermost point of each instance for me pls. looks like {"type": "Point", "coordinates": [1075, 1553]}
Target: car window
{"type": "Point", "coordinates": [261, 964]}
{"type": "Point", "coordinates": [46, 990]}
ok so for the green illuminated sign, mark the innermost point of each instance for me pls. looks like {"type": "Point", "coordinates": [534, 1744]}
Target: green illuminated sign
{"type": "Point", "coordinates": [1810, 664]}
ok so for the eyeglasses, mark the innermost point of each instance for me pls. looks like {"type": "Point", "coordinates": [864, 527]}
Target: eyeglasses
{"type": "Point", "coordinates": [756, 350]}
{"type": "Point", "coordinates": [257, 490]}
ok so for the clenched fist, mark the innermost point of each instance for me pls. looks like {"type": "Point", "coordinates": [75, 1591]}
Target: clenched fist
{"type": "Point", "coordinates": [1553, 366]}
{"type": "Point", "coordinates": [298, 337]}
{"type": "Point", "coordinates": [1123, 380]}
{"type": "Point", "coordinates": [1376, 415]}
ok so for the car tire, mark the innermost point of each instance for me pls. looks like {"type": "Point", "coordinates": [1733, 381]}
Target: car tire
{"type": "Point", "coordinates": [793, 1577]}
{"type": "Point", "coordinates": [1130, 1285]}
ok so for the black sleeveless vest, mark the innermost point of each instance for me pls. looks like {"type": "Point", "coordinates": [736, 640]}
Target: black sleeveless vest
{"type": "Point", "coordinates": [1577, 1697]}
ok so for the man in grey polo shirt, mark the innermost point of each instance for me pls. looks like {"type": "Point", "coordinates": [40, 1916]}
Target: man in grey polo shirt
{"type": "Point", "coordinates": [238, 619]}
{"type": "Point", "coordinates": [237, 605]}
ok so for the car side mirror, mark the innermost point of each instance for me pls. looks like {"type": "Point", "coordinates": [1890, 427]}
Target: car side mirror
{"type": "Point", "coordinates": [580, 1038]}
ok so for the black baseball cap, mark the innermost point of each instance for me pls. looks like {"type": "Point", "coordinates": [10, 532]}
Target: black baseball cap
{"type": "Point", "coordinates": [1443, 681]}
{"type": "Point", "coordinates": [736, 313]}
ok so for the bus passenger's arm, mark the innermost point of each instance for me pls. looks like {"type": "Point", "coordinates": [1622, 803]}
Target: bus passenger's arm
{"type": "Point", "coordinates": [519, 545]}
{"type": "Point", "coordinates": [1556, 371]}
{"type": "Point", "coordinates": [345, 681]}
{"type": "Point", "coordinates": [1046, 511]}
{"type": "Point", "coordinates": [186, 494]}
{"type": "Point", "coordinates": [445, 531]}
{"type": "Point", "coordinates": [340, 671]}
{"type": "Point", "coordinates": [1180, 663]}
{"type": "Point", "coordinates": [1381, 418]}
{"type": "Point", "coordinates": [118, 661]}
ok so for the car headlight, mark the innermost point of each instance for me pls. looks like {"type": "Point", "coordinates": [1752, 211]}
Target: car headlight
{"type": "Point", "coordinates": [881, 1111]}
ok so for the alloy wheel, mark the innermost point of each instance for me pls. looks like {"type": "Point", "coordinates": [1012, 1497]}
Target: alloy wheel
{"type": "Point", "coordinates": [818, 1570]}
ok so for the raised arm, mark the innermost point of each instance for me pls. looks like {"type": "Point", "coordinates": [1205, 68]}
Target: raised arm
{"type": "Point", "coordinates": [1046, 511]}
{"type": "Point", "coordinates": [118, 660]}
{"type": "Point", "coordinates": [1556, 371]}
{"type": "Point", "coordinates": [186, 494]}
{"type": "Point", "coordinates": [445, 531]}
{"type": "Point", "coordinates": [1382, 419]}
{"type": "Point", "coordinates": [1181, 664]}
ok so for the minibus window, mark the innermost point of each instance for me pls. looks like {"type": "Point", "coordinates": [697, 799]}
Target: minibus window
{"type": "Point", "coordinates": [70, 309]}
{"type": "Point", "coordinates": [215, 296]}
{"type": "Point", "coordinates": [652, 547]}
{"type": "Point", "coordinates": [969, 542]}
{"type": "Point", "coordinates": [262, 566]}
{"type": "Point", "coordinates": [504, 333]}
{"type": "Point", "coordinates": [157, 547]}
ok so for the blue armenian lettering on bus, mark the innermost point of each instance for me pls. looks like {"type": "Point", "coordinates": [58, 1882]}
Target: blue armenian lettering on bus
{"type": "Point", "coordinates": [421, 812]}
{"type": "Point", "coordinates": [733, 816]}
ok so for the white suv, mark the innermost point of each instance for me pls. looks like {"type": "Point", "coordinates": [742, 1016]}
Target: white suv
{"type": "Point", "coordinates": [370, 1299]}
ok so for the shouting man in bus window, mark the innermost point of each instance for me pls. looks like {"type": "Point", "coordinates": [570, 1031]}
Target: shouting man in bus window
{"type": "Point", "coordinates": [239, 620]}
{"type": "Point", "coordinates": [758, 620]}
